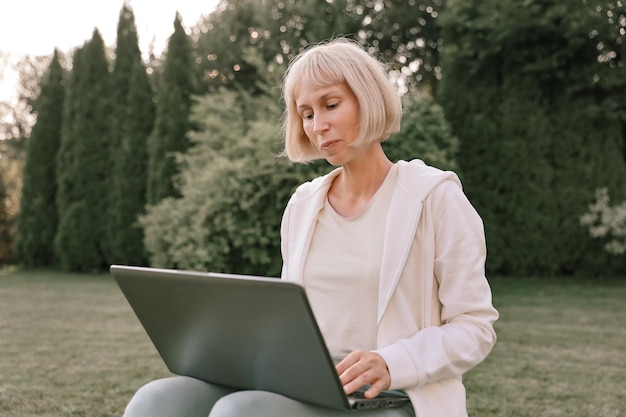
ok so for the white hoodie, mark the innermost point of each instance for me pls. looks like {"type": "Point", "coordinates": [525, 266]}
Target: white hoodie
{"type": "Point", "coordinates": [435, 315]}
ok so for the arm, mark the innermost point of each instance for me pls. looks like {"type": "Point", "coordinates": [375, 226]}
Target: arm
{"type": "Point", "coordinates": [465, 335]}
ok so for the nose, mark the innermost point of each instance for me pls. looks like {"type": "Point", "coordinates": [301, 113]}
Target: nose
{"type": "Point", "coordinates": [320, 124]}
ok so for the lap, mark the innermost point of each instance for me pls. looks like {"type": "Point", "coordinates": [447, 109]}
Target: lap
{"type": "Point", "coordinates": [188, 397]}
{"type": "Point", "coordinates": [269, 404]}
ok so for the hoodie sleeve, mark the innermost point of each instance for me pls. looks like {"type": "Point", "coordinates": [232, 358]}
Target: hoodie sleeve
{"type": "Point", "coordinates": [465, 335]}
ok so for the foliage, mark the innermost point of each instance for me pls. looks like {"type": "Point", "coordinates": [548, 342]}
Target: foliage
{"type": "Point", "coordinates": [5, 226]}
{"type": "Point", "coordinates": [10, 185]}
{"type": "Point", "coordinates": [521, 89]}
{"type": "Point", "coordinates": [425, 134]}
{"type": "Point", "coordinates": [38, 217]}
{"type": "Point", "coordinates": [607, 222]}
{"type": "Point", "coordinates": [233, 189]}
{"type": "Point", "coordinates": [16, 114]}
{"type": "Point", "coordinates": [176, 87]}
{"type": "Point", "coordinates": [76, 247]}
{"type": "Point", "coordinates": [16, 121]}
{"type": "Point", "coordinates": [404, 32]}
{"type": "Point", "coordinates": [82, 160]}
{"type": "Point", "coordinates": [133, 115]}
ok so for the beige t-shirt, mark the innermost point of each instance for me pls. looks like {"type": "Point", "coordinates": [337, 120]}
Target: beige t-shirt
{"type": "Point", "coordinates": [342, 270]}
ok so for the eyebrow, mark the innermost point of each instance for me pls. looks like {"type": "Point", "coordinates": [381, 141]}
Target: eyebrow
{"type": "Point", "coordinates": [322, 98]}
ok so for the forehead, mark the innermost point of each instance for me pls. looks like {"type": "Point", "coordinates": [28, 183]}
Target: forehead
{"type": "Point", "coordinates": [309, 94]}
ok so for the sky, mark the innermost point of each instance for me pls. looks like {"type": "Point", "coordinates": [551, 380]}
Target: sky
{"type": "Point", "coordinates": [37, 27]}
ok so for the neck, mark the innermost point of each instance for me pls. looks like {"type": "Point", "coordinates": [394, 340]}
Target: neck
{"type": "Point", "coordinates": [362, 177]}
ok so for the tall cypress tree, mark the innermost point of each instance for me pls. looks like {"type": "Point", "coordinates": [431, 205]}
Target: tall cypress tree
{"type": "Point", "coordinates": [174, 99]}
{"type": "Point", "coordinates": [83, 161]}
{"type": "Point", "coordinates": [133, 114]}
{"type": "Point", "coordinates": [38, 219]}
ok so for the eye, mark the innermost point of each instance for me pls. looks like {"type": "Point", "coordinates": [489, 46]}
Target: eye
{"type": "Point", "coordinates": [307, 115]}
{"type": "Point", "coordinates": [332, 106]}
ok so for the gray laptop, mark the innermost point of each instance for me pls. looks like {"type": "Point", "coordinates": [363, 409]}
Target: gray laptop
{"type": "Point", "coordinates": [240, 331]}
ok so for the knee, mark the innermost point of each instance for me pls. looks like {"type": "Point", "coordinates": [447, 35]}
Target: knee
{"type": "Point", "coordinates": [146, 399]}
{"type": "Point", "coordinates": [162, 397]}
{"type": "Point", "coordinates": [261, 404]}
{"type": "Point", "coordinates": [248, 404]}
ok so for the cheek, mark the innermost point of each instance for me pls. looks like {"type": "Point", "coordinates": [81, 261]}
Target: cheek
{"type": "Point", "coordinates": [308, 131]}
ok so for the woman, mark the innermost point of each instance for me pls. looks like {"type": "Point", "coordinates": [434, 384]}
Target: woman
{"type": "Point", "coordinates": [391, 255]}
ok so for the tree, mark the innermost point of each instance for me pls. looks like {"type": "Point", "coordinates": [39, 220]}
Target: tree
{"type": "Point", "coordinates": [174, 99]}
{"type": "Point", "coordinates": [11, 157]}
{"type": "Point", "coordinates": [402, 31]}
{"type": "Point", "coordinates": [133, 115]}
{"type": "Point", "coordinates": [38, 217]}
{"type": "Point", "coordinates": [407, 35]}
{"type": "Point", "coordinates": [5, 226]}
{"type": "Point", "coordinates": [16, 114]}
{"type": "Point", "coordinates": [425, 134]}
{"type": "Point", "coordinates": [275, 29]}
{"type": "Point", "coordinates": [16, 121]}
{"type": "Point", "coordinates": [83, 161]}
{"type": "Point", "coordinates": [523, 88]}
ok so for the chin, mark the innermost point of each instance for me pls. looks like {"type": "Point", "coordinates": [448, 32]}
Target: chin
{"type": "Point", "coordinates": [335, 161]}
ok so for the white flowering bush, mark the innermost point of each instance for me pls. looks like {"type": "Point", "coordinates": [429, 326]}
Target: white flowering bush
{"type": "Point", "coordinates": [607, 222]}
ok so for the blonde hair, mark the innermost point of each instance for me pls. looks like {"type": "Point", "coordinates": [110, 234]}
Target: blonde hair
{"type": "Point", "coordinates": [340, 61]}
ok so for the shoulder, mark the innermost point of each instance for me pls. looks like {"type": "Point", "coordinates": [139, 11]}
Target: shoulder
{"type": "Point", "coordinates": [419, 180]}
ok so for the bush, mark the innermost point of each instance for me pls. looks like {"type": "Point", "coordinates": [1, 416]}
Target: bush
{"type": "Point", "coordinates": [607, 222]}
{"type": "Point", "coordinates": [425, 134]}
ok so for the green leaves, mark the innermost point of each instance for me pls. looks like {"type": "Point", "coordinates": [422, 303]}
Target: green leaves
{"type": "Point", "coordinates": [83, 160]}
{"type": "Point", "coordinates": [425, 134]}
{"type": "Point", "coordinates": [528, 94]}
{"type": "Point", "coordinates": [38, 219]}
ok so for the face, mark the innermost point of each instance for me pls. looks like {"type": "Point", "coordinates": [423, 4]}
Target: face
{"type": "Point", "coordinates": [330, 118]}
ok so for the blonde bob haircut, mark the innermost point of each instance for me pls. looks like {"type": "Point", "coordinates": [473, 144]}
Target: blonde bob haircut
{"type": "Point", "coordinates": [340, 61]}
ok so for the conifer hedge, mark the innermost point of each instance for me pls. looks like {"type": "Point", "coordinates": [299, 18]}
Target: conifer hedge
{"type": "Point", "coordinates": [533, 105]}
{"type": "Point", "coordinates": [83, 161]}
{"type": "Point", "coordinates": [133, 119]}
{"type": "Point", "coordinates": [38, 219]}
{"type": "Point", "coordinates": [174, 100]}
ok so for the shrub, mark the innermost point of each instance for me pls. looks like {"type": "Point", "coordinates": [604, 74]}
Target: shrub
{"type": "Point", "coordinates": [607, 222]}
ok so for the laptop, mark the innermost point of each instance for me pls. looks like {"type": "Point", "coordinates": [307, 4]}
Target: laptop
{"type": "Point", "coordinates": [245, 332]}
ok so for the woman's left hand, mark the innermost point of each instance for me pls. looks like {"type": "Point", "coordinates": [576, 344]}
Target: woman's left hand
{"type": "Point", "coordinates": [360, 368]}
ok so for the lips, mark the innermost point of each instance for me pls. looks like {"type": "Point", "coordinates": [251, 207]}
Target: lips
{"type": "Point", "coordinates": [326, 146]}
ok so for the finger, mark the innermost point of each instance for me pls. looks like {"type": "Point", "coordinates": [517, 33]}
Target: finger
{"type": "Point", "coordinates": [353, 366]}
{"type": "Point", "coordinates": [363, 368]}
{"type": "Point", "coordinates": [348, 361]}
{"type": "Point", "coordinates": [376, 380]}
{"type": "Point", "coordinates": [376, 388]}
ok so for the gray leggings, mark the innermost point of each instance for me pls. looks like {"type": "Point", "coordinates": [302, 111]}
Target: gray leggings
{"type": "Point", "coordinates": [187, 397]}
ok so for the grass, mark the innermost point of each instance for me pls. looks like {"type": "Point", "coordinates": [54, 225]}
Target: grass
{"type": "Point", "coordinates": [71, 346]}
{"type": "Point", "coordinates": [561, 351]}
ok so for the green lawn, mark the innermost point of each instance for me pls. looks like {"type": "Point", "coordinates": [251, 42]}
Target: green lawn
{"type": "Point", "coordinates": [71, 346]}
